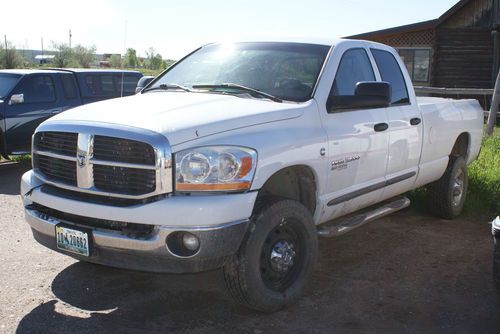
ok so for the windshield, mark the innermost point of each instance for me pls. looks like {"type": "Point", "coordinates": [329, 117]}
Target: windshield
{"type": "Point", "coordinates": [287, 71]}
{"type": "Point", "coordinates": [7, 83]}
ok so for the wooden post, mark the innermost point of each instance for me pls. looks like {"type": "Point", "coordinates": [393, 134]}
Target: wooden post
{"type": "Point", "coordinates": [495, 103]}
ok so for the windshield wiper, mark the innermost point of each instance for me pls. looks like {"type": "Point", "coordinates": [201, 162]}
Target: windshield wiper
{"type": "Point", "coordinates": [240, 87]}
{"type": "Point", "coordinates": [167, 87]}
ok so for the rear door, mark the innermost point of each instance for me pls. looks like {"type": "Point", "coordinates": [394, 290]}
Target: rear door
{"type": "Point", "coordinates": [21, 119]}
{"type": "Point", "coordinates": [405, 125]}
{"type": "Point", "coordinates": [356, 151]}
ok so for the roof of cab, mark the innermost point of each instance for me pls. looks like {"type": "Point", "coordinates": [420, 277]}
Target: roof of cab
{"type": "Point", "coordinates": [65, 70]}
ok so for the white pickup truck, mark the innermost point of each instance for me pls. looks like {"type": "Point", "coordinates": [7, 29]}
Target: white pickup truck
{"type": "Point", "coordinates": [240, 155]}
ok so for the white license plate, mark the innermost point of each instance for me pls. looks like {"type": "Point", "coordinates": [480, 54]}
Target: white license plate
{"type": "Point", "coordinates": [72, 240]}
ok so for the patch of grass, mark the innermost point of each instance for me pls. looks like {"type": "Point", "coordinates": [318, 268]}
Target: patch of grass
{"type": "Point", "coordinates": [24, 158]}
{"type": "Point", "coordinates": [483, 196]}
{"type": "Point", "coordinates": [484, 177]}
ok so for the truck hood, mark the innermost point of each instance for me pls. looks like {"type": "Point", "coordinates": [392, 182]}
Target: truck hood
{"type": "Point", "coordinates": [182, 116]}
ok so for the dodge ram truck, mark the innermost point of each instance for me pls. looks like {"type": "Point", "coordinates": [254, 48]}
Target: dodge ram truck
{"type": "Point", "coordinates": [240, 156]}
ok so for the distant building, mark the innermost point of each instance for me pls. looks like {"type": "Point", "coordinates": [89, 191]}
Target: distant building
{"type": "Point", "coordinates": [459, 49]}
{"type": "Point", "coordinates": [44, 59]}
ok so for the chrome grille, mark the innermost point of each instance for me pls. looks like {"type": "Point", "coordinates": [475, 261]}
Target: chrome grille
{"type": "Point", "coordinates": [132, 181]}
{"type": "Point", "coordinates": [57, 142]}
{"type": "Point", "coordinates": [123, 150]}
{"type": "Point", "coordinates": [56, 169]}
{"type": "Point", "coordinates": [103, 161]}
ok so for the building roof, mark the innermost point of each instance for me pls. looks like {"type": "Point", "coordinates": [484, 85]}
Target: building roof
{"type": "Point", "coordinates": [431, 24]}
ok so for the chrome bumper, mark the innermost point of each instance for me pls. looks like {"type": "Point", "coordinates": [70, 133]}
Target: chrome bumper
{"type": "Point", "coordinates": [495, 227]}
{"type": "Point", "coordinates": [112, 248]}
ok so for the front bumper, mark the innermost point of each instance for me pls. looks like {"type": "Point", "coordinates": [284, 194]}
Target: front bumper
{"type": "Point", "coordinates": [495, 227]}
{"type": "Point", "coordinates": [218, 242]}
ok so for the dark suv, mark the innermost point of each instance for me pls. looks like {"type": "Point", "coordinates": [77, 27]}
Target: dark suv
{"type": "Point", "coordinates": [28, 97]}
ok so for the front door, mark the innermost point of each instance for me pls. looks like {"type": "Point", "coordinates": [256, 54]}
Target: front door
{"type": "Point", "coordinates": [357, 141]}
{"type": "Point", "coordinates": [22, 116]}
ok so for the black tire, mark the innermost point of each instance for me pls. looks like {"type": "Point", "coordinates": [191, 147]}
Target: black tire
{"type": "Point", "coordinates": [446, 196]}
{"type": "Point", "coordinates": [496, 264]}
{"type": "Point", "coordinates": [256, 277]}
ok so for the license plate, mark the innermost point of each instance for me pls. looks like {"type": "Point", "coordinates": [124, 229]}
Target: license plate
{"type": "Point", "coordinates": [72, 240]}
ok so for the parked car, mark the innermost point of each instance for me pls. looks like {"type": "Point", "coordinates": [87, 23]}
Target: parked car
{"type": "Point", "coordinates": [143, 82]}
{"type": "Point", "coordinates": [28, 97]}
{"type": "Point", "coordinates": [495, 228]}
{"type": "Point", "coordinates": [240, 155]}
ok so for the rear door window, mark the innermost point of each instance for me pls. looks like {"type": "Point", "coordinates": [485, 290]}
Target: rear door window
{"type": "Point", "coordinates": [69, 87]}
{"type": "Point", "coordinates": [37, 89]}
{"type": "Point", "coordinates": [129, 83]}
{"type": "Point", "coordinates": [391, 72]}
{"type": "Point", "coordinates": [101, 84]}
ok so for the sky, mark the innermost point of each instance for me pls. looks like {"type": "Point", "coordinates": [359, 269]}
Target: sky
{"type": "Point", "coordinates": [175, 27]}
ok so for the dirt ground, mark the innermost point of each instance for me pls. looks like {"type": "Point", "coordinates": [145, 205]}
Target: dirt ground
{"type": "Point", "coordinates": [407, 273]}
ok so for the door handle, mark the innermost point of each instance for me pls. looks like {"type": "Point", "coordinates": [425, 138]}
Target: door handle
{"type": "Point", "coordinates": [415, 121]}
{"type": "Point", "coordinates": [381, 127]}
{"type": "Point", "coordinates": [56, 110]}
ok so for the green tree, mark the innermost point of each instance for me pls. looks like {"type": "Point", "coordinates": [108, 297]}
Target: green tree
{"type": "Point", "coordinates": [131, 58]}
{"type": "Point", "coordinates": [115, 61]}
{"type": "Point", "coordinates": [154, 60]}
{"type": "Point", "coordinates": [63, 55]}
{"type": "Point", "coordinates": [84, 56]}
{"type": "Point", "coordinates": [9, 58]}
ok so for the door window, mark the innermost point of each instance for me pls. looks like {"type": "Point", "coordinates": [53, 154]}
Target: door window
{"type": "Point", "coordinates": [69, 87]}
{"type": "Point", "coordinates": [129, 83]}
{"type": "Point", "coordinates": [391, 73]}
{"type": "Point", "coordinates": [354, 67]}
{"type": "Point", "coordinates": [37, 89]}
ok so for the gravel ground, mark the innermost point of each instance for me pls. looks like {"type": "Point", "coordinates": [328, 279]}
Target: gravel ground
{"type": "Point", "coordinates": [407, 273]}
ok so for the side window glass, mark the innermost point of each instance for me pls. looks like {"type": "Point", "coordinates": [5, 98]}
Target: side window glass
{"type": "Point", "coordinates": [354, 67]}
{"type": "Point", "coordinates": [129, 83]}
{"type": "Point", "coordinates": [69, 88]}
{"type": "Point", "coordinates": [107, 84]}
{"type": "Point", "coordinates": [37, 89]}
{"type": "Point", "coordinates": [93, 84]}
{"type": "Point", "coordinates": [100, 85]}
{"type": "Point", "coordinates": [391, 73]}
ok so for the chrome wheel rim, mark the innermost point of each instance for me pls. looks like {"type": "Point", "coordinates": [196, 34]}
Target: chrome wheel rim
{"type": "Point", "coordinates": [282, 255]}
{"type": "Point", "coordinates": [458, 188]}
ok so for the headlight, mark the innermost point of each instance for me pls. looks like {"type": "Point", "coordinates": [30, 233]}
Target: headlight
{"type": "Point", "coordinates": [215, 168]}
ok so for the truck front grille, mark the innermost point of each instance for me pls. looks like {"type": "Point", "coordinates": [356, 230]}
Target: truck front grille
{"type": "Point", "coordinates": [103, 165]}
{"type": "Point", "coordinates": [132, 181]}
{"type": "Point", "coordinates": [64, 143]}
{"type": "Point", "coordinates": [56, 169]}
{"type": "Point", "coordinates": [123, 150]}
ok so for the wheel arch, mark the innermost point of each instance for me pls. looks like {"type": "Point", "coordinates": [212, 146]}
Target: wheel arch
{"type": "Point", "coordinates": [461, 146]}
{"type": "Point", "coordinates": [296, 182]}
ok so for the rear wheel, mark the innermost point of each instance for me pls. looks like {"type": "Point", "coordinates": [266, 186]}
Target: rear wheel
{"type": "Point", "coordinates": [446, 196]}
{"type": "Point", "coordinates": [276, 259]}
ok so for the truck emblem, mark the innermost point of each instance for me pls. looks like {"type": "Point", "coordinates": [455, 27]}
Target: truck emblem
{"type": "Point", "coordinates": [81, 160]}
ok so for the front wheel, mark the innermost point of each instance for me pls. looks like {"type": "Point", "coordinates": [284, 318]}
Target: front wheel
{"type": "Point", "coordinates": [446, 196]}
{"type": "Point", "coordinates": [496, 264]}
{"type": "Point", "coordinates": [276, 258]}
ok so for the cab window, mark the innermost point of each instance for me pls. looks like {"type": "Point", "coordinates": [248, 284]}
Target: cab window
{"type": "Point", "coordinates": [391, 72]}
{"type": "Point", "coordinates": [354, 67]}
{"type": "Point", "coordinates": [37, 89]}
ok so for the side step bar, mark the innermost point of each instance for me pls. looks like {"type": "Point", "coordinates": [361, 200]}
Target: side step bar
{"type": "Point", "coordinates": [350, 223]}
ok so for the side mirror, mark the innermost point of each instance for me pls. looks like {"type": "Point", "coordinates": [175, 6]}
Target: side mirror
{"type": "Point", "coordinates": [16, 99]}
{"type": "Point", "coordinates": [367, 95]}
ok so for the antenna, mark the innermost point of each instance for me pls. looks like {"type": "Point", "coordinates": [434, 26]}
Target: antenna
{"type": "Point", "coordinates": [124, 48]}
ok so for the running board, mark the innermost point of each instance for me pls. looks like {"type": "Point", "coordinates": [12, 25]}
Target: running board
{"type": "Point", "coordinates": [349, 224]}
